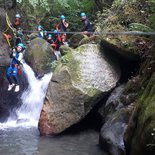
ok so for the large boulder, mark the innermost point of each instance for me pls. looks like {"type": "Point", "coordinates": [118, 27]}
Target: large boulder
{"type": "Point", "coordinates": [81, 79]}
{"type": "Point", "coordinates": [40, 55]}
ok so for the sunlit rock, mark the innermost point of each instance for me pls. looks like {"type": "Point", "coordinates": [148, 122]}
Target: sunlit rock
{"type": "Point", "coordinates": [80, 80]}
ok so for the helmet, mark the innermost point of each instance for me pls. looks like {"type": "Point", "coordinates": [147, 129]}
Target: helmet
{"type": "Point", "coordinates": [18, 15]}
{"type": "Point", "coordinates": [62, 17]}
{"type": "Point", "coordinates": [49, 35]}
{"type": "Point", "coordinates": [39, 26]}
{"type": "Point", "coordinates": [55, 31]}
{"type": "Point", "coordinates": [82, 14]}
{"type": "Point", "coordinates": [21, 45]}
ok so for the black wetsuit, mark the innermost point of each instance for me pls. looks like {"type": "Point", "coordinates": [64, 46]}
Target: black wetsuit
{"type": "Point", "coordinates": [87, 25]}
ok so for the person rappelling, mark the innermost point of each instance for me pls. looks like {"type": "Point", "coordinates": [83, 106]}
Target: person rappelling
{"type": "Point", "coordinates": [14, 69]}
{"type": "Point", "coordinates": [87, 25]}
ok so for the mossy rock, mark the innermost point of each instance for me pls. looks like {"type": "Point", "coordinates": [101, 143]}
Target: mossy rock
{"type": "Point", "coordinates": [76, 39]}
{"type": "Point", "coordinates": [40, 55]}
{"type": "Point", "coordinates": [139, 137]}
{"type": "Point", "coordinates": [82, 77]}
{"type": "Point", "coordinates": [64, 50]}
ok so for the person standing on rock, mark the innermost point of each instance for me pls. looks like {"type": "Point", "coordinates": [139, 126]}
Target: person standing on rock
{"type": "Point", "coordinates": [87, 25]}
{"type": "Point", "coordinates": [14, 70]}
{"type": "Point", "coordinates": [18, 21]}
{"type": "Point", "coordinates": [62, 27]}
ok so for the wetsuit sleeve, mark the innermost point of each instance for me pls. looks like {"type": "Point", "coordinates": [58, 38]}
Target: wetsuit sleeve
{"type": "Point", "coordinates": [20, 57]}
{"type": "Point", "coordinates": [86, 23]}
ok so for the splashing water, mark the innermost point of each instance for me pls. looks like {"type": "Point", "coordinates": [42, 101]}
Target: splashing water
{"type": "Point", "coordinates": [32, 100]}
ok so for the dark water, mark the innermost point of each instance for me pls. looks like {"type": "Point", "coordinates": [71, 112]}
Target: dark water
{"type": "Point", "coordinates": [26, 141]}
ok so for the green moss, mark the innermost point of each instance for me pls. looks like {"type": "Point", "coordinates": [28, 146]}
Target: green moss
{"type": "Point", "coordinates": [71, 64]}
{"type": "Point", "coordinates": [91, 91]}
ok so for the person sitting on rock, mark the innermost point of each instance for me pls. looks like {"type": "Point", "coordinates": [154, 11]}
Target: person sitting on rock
{"type": "Point", "coordinates": [50, 39]}
{"type": "Point", "coordinates": [87, 25]}
{"type": "Point", "coordinates": [40, 31]}
{"type": "Point", "coordinates": [13, 69]}
{"type": "Point", "coordinates": [45, 35]}
{"type": "Point", "coordinates": [57, 40]}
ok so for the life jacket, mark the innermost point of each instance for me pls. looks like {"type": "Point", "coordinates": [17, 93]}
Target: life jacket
{"type": "Point", "coordinates": [16, 61]}
{"type": "Point", "coordinates": [57, 41]}
{"type": "Point", "coordinates": [61, 27]}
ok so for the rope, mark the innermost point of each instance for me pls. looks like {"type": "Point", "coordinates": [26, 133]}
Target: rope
{"type": "Point", "coordinates": [9, 25]}
{"type": "Point", "coordinates": [98, 33]}
{"type": "Point", "coordinates": [6, 29]}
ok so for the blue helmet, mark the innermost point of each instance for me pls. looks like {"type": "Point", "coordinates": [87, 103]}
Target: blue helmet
{"type": "Point", "coordinates": [55, 31]}
{"type": "Point", "coordinates": [49, 35]}
{"type": "Point", "coordinates": [39, 26]}
{"type": "Point", "coordinates": [21, 45]}
{"type": "Point", "coordinates": [82, 14]}
{"type": "Point", "coordinates": [62, 17]}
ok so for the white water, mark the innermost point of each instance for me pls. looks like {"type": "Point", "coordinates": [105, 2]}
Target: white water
{"type": "Point", "coordinates": [32, 101]}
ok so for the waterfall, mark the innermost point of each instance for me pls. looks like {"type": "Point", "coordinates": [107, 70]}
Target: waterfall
{"type": "Point", "coordinates": [32, 100]}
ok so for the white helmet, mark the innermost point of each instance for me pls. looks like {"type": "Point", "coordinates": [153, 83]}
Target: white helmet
{"type": "Point", "coordinates": [18, 16]}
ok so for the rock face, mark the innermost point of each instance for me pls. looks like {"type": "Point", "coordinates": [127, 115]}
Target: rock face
{"type": "Point", "coordinates": [115, 112]}
{"type": "Point", "coordinates": [112, 132]}
{"type": "Point", "coordinates": [40, 55]}
{"type": "Point", "coordinates": [140, 134]}
{"type": "Point", "coordinates": [80, 80]}
{"type": "Point", "coordinates": [8, 99]}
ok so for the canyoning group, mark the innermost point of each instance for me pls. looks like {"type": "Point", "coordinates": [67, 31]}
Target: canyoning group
{"type": "Point", "coordinates": [56, 38]}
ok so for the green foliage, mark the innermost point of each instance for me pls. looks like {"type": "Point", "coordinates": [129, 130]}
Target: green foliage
{"type": "Point", "coordinates": [128, 15]}
{"type": "Point", "coordinates": [47, 12]}
{"type": "Point", "coordinates": [139, 27]}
